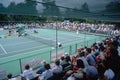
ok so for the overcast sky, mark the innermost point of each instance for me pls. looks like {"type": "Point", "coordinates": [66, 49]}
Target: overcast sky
{"type": "Point", "coordinates": [94, 5]}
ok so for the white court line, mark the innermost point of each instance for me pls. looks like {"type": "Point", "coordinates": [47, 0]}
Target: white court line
{"type": "Point", "coordinates": [26, 49]}
{"type": "Point", "coordinates": [19, 43]}
{"type": "Point", "coordinates": [3, 49]}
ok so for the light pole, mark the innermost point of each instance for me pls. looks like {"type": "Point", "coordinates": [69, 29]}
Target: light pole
{"type": "Point", "coordinates": [55, 17]}
{"type": "Point", "coordinates": [85, 33]}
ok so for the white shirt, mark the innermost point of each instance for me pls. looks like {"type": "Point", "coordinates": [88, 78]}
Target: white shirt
{"type": "Point", "coordinates": [84, 61]}
{"type": "Point", "coordinates": [57, 69]}
{"type": "Point", "coordinates": [28, 74]}
{"type": "Point", "coordinates": [70, 78]}
{"type": "Point", "coordinates": [12, 79]}
{"type": "Point", "coordinates": [109, 74]}
{"type": "Point", "coordinates": [47, 74]}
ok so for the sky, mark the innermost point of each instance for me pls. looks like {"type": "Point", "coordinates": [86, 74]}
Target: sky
{"type": "Point", "coordinates": [94, 5]}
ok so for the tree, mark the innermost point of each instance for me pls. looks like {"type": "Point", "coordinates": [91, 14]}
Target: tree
{"type": "Point", "coordinates": [85, 7]}
{"type": "Point", "coordinates": [29, 7]}
{"type": "Point", "coordinates": [2, 8]}
{"type": "Point", "coordinates": [50, 8]}
{"type": "Point", "coordinates": [113, 7]}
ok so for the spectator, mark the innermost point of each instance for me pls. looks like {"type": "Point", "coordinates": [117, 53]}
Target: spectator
{"type": "Point", "coordinates": [91, 73]}
{"type": "Point", "coordinates": [10, 77]}
{"type": "Point", "coordinates": [113, 61]}
{"type": "Point", "coordinates": [63, 62]}
{"type": "Point", "coordinates": [28, 72]}
{"type": "Point", "coordinates": [58, 68]}
{"type": "Point", "coordinates": [90, 58]}
{"type": "Point", "coordinates": [47, 73]}
{"type": "Point", "coordinates": [80, 63]}
{"type": "Point", "coordinates": [102, 53]}
{"type": "Point", "coordinates": [109, 74]}
{"type": "Point", "coordinates": [68, 59]}
{"type": "Point", "coordinates": [42, 68]}
{"type": "Point", "coordinates": [82, 57]}
{"type": "Point", "coordinates": [74, 63]}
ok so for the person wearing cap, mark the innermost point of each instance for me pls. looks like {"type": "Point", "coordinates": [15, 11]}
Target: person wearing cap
{"type": "Point", "coordinates": [91, 73]}
{"type": "Point", "coordinates": [67, 57]}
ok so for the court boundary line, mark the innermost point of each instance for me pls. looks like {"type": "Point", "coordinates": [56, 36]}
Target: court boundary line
{"type": "Point", "coordinates": [3, 49]}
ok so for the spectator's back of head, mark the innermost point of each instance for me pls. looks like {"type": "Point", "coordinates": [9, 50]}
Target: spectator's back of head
{"type": "Point", "coordinates": [88, 50]}
{"type": "Point", "coordinates": [62, 58]}
{"type": "Point", "coordinates": [80, 63]}
{"type": "Point", "coordinates": [57, 62]}
{"type": "Point", "coordinates": [47, 66]}
{"type": "Point", "coordinates": [9, 76]}
{"type": "Point", "coordinates": [43, 62]}
{"type": "Point", "coordinates": [27, 66]}
{"type": "Point", "coordinates": [82, 54]}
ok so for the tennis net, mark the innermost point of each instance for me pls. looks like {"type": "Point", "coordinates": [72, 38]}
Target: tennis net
{"type": "Point", "coordinates": [42, 40]}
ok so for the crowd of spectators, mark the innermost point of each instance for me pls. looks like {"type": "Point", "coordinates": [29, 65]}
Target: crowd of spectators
{"type": "Point", "coordinates": [14, 25]}
{"type": "Point", "coordinates": [108, 29]}
{"type": "Point", "coordinates": [99, 62]}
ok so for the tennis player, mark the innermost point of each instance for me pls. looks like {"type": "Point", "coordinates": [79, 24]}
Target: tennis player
{"type": "Point", "coordinates": [9, 33]}
{"type": "Point", "coordinates": [77, 32]}
{"type": "Point", "coordinates": [59, 44]}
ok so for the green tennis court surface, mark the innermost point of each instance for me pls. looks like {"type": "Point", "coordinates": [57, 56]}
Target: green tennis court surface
{"type": "Point", "coordinates": [16, 51]}
{"type": "Point", "coordinates": [43, 39]}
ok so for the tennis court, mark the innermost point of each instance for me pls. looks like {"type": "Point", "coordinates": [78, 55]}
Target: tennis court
{"type": "Point", "coordinates": [44, 39]}
{"type": "Point", "coordinates": [16, 51]}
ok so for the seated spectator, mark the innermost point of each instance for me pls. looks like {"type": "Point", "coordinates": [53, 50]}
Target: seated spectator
{"type": "Point", "coordinates": [91, 73]}
{"type": "Point", "coordinates": [102, 53]}
{"type": "Point", "coordinates": [68, 74]}
{"type": "Point", "coordinates": [28, 72]}
{"type": "Point", "coordinates": [42, 68]}
{"type": "Point", "coordinates": [113, 61]}
{"type": "Point", "coordinates": [89, 57]}
{"type": "Point", "coordinates": [82, 57]}
{"type": "Point", "coordinates": [47, 73]}
{"type": "Point", "coordinates": [80, 63]}
{"type": "Point", "coordinates": [101, 68]}
{"type": "Point", "coordinates": [109, 74]}
{"type": "Point", "coordinates": [74, 63]}
{"type": "Point", "coordinates": [63, 62]}
{"type": "Point", "coordinates": [9, 76]}
{"type": "Point", "coordinates": [58, 68]}
{"type": "Point", "coordinates": [67, 57]}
